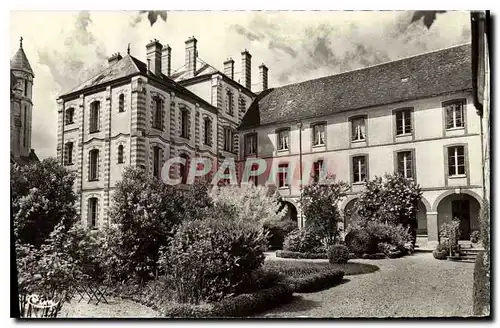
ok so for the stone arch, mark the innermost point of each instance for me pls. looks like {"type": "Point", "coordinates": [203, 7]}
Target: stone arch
{"type": "Point", "coordinates": [346, 201]}
{"type": "Point", "coordinates": [451, 192]}
{"type": "Point", "coordinates": [426, 203]}
{"type": "Point", "coordinates": [291, 209]}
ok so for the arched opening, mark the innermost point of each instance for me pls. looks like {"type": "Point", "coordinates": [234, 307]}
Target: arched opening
{"type": "Point", "coordinates": [349, 213]}
{"type": "Point", "coordinates": [291, 211]}
{"type": "Point", "coordinates": [421, 219]}
{"type": "Point", "coordinates": [279, 230]}
{"type": "Point", "coordinates": [462, 206]}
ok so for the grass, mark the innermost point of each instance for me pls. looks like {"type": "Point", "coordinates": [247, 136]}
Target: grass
{"type": "Point", "coordinates": [481, 288]}
{"type": "Point", "coordinates": [299, 269]}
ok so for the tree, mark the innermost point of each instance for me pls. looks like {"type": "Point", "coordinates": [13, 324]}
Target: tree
{"type": "Point", "coordinates": [320, 207]}
{"type": "Point", "coordinates": [42, 196]}
{"type": "Point", "coordinates": [144, 213]}
{"type": "Point", "coordinates": [253, 204]}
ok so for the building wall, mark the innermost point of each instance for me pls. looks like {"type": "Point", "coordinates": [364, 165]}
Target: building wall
{"type": "Point", "coordinates": [428, 142]}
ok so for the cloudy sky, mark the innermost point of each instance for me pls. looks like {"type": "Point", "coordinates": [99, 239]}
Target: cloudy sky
{"type": "Point", "coordinates": [66, 48]}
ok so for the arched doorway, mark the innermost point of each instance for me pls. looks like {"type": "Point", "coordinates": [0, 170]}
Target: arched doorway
{"type": "Point", "coordinates": [421, 219]}
{"type": "Point", "coordinates": [349, 214]}
{"type": "Point", "coordinates": [291, 211]}
{"type": "Point", "coordinates": [462, 206]}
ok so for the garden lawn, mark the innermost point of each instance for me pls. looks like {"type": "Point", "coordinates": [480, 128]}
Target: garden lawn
{"type": "Point", "coordinates": [412, 286]}
{"type": "Point", "coordinates": [298, 268]}
{"type": "Point", "coordinates": [116, 308]}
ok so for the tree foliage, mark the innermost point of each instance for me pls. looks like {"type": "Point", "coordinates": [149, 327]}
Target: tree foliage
{"type": "Point", "coordinates": [320, 208]}
{"type": "Point", "coordinates": [42, 196]}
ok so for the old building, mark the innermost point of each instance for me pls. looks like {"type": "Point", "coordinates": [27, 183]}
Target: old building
{"type": "Point", "coordinates": [415, 116]}
{"type": "Point", "coordinates": [141, 114]}
{"type": "Point", "coordinates": [21, 108]}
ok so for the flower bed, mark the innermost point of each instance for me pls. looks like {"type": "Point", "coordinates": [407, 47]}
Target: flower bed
{"type": "Point", "coordinates": [299, 255]}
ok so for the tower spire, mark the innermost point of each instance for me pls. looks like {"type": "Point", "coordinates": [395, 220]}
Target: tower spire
{"type": "Point", "coordinates": [128, 49]}
{"type": "Point", "coordinates": [21, 42]}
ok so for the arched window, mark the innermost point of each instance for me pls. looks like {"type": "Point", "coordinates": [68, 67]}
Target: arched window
{"type": "Point", "coordinates": [208, 131]}
{"type": "Point", "coordinates": [120, 154]}
{"type": "Point", "coordinates": [94, 165]}
{"type": "Point", "coordinates": [184, 169]}
{"type": "Point", "coordinates": [92, 212]}
{"type": "Point", "coordinates": [156, 161]}
{"type": "Point", "coordinates": [94, 116]}
{"type": "Point", "coordinates": [68, 153]}
{"type": "Point", "coordinates": [158, 114]}
{"type": "Point", "coordinates": [121, 103]}
{"type": "Point", "coordinates": [70, 115]}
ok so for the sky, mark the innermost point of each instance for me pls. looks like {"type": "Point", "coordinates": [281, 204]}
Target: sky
{"type": "Point", "coordinates": [66, 48]}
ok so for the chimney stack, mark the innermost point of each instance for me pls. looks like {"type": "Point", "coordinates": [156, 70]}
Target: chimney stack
{"type": "Point", "coordinates": [191, 54]}
{"type": "Point", "coordinates": [229, 68]}
{"type": "Point", "coordinates": [153, 53]}
{"type": "Point", "coordinates": [263, 76]}
{"type": "Point", "coordinates": [246, 69]}
{"type": "Point", "coordinates": [114, 58]}
{"type": "Point", "coordinates": [166, 60]}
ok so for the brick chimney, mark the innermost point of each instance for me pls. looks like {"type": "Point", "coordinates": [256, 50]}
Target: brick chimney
{"type": "Point", "coordinates": [114, 58]}
{"type": "Point", "coordinates": [263, 76]}
{"type": "Point", "coordinates": [246, 69]}
{"type": "Point", "coordinates": [166, 60]}
{"type": "Point", "coordinates": [229, 68]}
{"type": "Point", "coordinates": [191, 54]}
{"type": "Point", "coordinates": [153, 55]}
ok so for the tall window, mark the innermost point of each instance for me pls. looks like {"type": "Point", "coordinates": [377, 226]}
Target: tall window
{"type": "Point", "coordinates": [251, 144]}
{"type": "Point", "coordinates": [456, 160]}
{"type": "Point", "coordinates": [317, 169]}
{"type": "Point", "coordinates": [228, 140]}
{"type": "Point", "coordinates": [405, 164]}
{"type": "Point", "coordinates": [68, 153]}
{"type": "Point", "coordinates": [94, 116]}
{"type": "Point", "coordinates": [120, 154]}
{"type": "Point", "coordinates": [121, 103]}
{"type": "Point", "coordinates": [94, 165]}
{"type": "Point", "coordinates": [25, 126]}
{"type": "Point", "coordinates": [92, 213]}
{"type": "Point", "coordinates": [158, 114]}
{"type": "Point", "coordinates": [283, 139]}
{"type": "Point", "coordinates": [283, 175]}
{"type": "Point", "coordinates": [359, 168]}
{"type": "Point", "coordinates": [207, 127]}
{"type": "Point", "coordinates": [403, 122]}
{"type": "Point", "coordinates": [319, 134]}
{"type": "Point", "coordinates": [184, 124]}
{"type": "Point", "coordinates": [26, 88]}
{"type": "Point", "coordinates": [253, 178]}
{"type": "Point", "coordinates": [358, 129]}
{"type": "Point", "coordinates": [156, 161]}
{"type": "Point", "coordinates": [230, 102]}
{"type": "Point", "coordinates": [184, 169]}
{"type": "Point", "coordinates": [455, 114]}
{"type": "Point", "coordinates": [70, 115]}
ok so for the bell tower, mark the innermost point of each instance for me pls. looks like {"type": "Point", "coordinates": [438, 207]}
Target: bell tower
{"type": "Point", "coordinates": [21, 104]}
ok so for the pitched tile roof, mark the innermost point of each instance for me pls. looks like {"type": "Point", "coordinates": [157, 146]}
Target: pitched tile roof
{"type": "Point", "coordinates": [426, 75]}
{"type": "Point", "coordinates": [128, 66]}
{"type": "Point", "coordinates": [181, 73]}
{"type": "Point", "coordinates": [20, 62]}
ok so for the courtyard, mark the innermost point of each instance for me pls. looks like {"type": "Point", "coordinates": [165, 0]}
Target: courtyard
{"type": "Point", "coordinates": [413, 286]}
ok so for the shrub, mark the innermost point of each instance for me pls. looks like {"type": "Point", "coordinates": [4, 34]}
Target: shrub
{"type": "Point", "coordinates": [360, 242]}
{"type": "Point", "coordinates": [375, 256]}
{"type": "Point", "coordinates": [299, 255]}
{"type": "Point", "coordinates": [386, 248]}
{"type": "Point", "coordinates": [475, 236]}
{"type": "Point", "coordinates": [481, 287]}
{"type": "Point", "coordinates": [443, 250]}
{"type": "Point", "coordinates": [316, 282]}
{"type": "Point", "coordinates": [212, 258]}
{"type": "Point", "coordinates": [450, 231]}
{"type": "Point", "coordinates": [338, 254]}
{"type": "Point", "coordinates": [395, 235]}
{"type": "Point", "coordinates": [304, 241]}
{"type": "Point", "coordinates": [278, 231]}
{"type": "Point", "coordinates": [440, 254]}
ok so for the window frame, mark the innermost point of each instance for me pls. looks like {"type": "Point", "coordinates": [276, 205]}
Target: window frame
{"type": "Point", "coordinates": [121, 103]}
{"type": "Point", "coordinates": [413, 161]}
{"type": "Point", "coordinates": [410, 111]}
{"type": "Point", "coordinates": [456, 166]}
{"type": "Point", "coordinates": [68, 155]}
{"type": "Point", "coordinates": [367, 171]}
{"type": "Point", "coordinates": [352, 119]}
{"type": "Point", "coordinates": [278, 138]}
{"type": "Point", "coordinates": [184, 123]}
{"type": "Point", "coordinates": [70, 110]}
{"type": "Point", "coordinates": [157, 158]}
{"type": "Point", "coordinates": [93, 212]}
{"type": "Point", "coordinates": [184, 168]}
{"type": "Point", "coordinates": [317, 169]}
{"type": "Point", "coordinates": [157, 113]}
{"type": "Point", "coordinates": [94, 117]}
{"type": "Point", "coordinates": [230, 102]}
{"type": "Point", "coordinates": [445, 104]}
{"type": "Point", "coordinates": [94, 167]}
{"type": "Point", "coordinates": [314, 126]}
{"type": "Point", "coordinates": [229, 141]}
{"type": "Point", "coordinates": [207, 131]}
{"type": "Point", "coordinates": [250, 136]}
{"type": "Point", "coordinates": [283, 176]}
{"type": "Point", "coordinates": [120, 156]}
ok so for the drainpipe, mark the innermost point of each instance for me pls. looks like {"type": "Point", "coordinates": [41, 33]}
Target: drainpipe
{"type": "Point", "coordinates": [299, 126]}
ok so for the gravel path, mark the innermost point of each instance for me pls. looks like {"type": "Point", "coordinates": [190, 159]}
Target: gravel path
{"type": "Point", "coordinates": [117, 308]}
{"type": "Point", "coordinates": [412, 286]}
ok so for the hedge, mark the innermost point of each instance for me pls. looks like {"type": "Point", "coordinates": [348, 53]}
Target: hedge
{"type": "Point", "coordinates": [375, 256]}
{"type": "Point", "coordinates": [299, 255]}
{"type": "Point", "coordinates": [316, 282]}
{"type": "Point", "coordinates": [481, 291]}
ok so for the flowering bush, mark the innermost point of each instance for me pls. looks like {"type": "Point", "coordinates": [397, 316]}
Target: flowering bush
{"type": "Point", "coordinates": [359, 241]}
{"type": "Point", "coordinates": [304, 241]}
{"type": "Point", "coordinates": [212, 258]}
{"type": "Point", "coordinates": [475, 236]}
{"type": "Point", "coordinates": [450, 231]}
{"type": "Point", "coordinates": [320, 208]}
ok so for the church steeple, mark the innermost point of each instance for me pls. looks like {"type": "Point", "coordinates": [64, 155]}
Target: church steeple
{"type": "Point", "coordinates": [20, 62]}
